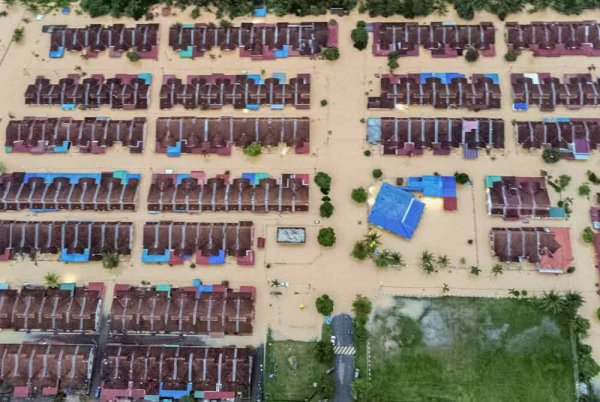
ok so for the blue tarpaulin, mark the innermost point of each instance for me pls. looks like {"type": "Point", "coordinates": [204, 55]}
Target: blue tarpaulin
{"type": "Point", "coordinates": [282, 53]}
{"type": "Point", "coordinates": [174, 150]}
{"type": "Point", "coordinates": [374, 130]}
{"type": "Point", "coordinates": [446, 78]}
{"type": "Point", "coordinates": [256, 78]}
{"type": "Point", "coordinates": [174, 393]}
{"type": "Point", "coordinates": [68, 106]}
{"type": "Point", "coordinates": [493, 76]}
{"type": "Point", "coordinates": [58, 53]}
{"type": "Point", "coordinates": [146, 77]}
{"type": "Point", "coordinates": [520, 106]}
{"type": "Point", "coordinates": [62, 148]}
{"type": "Point", "coordinates": [252, 106]}
{"type": "Point", "coordinates": [396, 210]}
{"type": "Point", "coordinates": [279, 76]}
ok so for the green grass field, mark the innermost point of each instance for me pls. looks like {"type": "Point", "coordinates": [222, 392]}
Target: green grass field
{"type": "Point", "coordinates": [467, 349]}
{"type": "Point", "coordinates": [285, 383]}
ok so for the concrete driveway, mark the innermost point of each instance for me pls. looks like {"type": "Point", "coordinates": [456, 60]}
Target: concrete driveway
{"type": "Point", "coordinates": [344, 357]}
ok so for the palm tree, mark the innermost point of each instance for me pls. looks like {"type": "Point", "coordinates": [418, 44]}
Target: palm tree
{"type": "Point", "coordinates": [475, 270]}
{"type": "Point", "coordinates": [497, 269]}
{"type": "Point", "coordinates": [382, 260]}
{"type": "Point", "coordinates": [445, 288]}
{"type": "Point", "coordinates": [443, 261]}
{"type": "Point", "coordinates": [514, 292]}
{"type": "Point", "coordinates": [397, 260]}
{"type": "Point", "coordinates": [427, 262]}
{"type": "Point", "coordinates": [372, 240]}
{"type": "Point", "coordinates": [275, 283]}
{"type": "Point", "coordinates": [573, 300]}
{"type": "Point", "coordinates": [52, 280]}
{"type": "Point", "coordinates": [551, 302]}
{"type": "Point", "coordinates": [110, 260]}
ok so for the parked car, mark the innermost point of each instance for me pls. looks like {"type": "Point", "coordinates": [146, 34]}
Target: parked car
{"type": "Point", "coordinates": [356, 372]}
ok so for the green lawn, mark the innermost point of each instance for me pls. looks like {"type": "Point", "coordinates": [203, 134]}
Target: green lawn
{"type": "Point", "coordinates": [286, 383]}
{"type": "Point", "coordinates": [469, 349]}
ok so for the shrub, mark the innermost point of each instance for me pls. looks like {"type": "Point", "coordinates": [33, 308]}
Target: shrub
{"type": "Point", "coordinates": [110, 260]}
{"type": "Point", "coordinates": [326, 237]}
{"type": "Point", "coordinates": [326, 198]}
{"type": "Point", "coordinates": [253, 149]}
{"type": "Point", "coordinates": [475, 270]}
{"type": "Point", "coordinates": [361, 306]}
{"type": "Point", "coordinates": [324, 304]}
{"type": "Point", "coordinates": [323, 180]}
{"type": "Point", "coordinates": [367, 153]}
{"type": "Point", "coordinates": [360, 251]}
{"type": "Point", "coordinates": [323, 102]}
{"type": "Point", "coordinates": [393, 60]}
{"type": "Point", "coordinates": [195, 13]}
{"type": "Point", "coordinates": [471, 55]}
{"type": "Point", "coordinates": [18, 35]}
{"type": "Point", "coordinates": [359, 195]}
{"type": "Point", "coordinates": [52, 280]}
{"type": "Point", "coordinates": [377, 173]}
{"type": "Point", "coordinates": [570, 270]}
{"type": "Point", "coordinates": [588, 235]}
{"type": "Point", "coordinates": [331, 53]}
{"type": "Point", "coordinates": [584, 190]}
{"type": "Point", "coordinates": [510, 56]}
{"type": "Point", "coordinates": [462, 178]}
{"type": "Point", "coordinates": [133, 56]}
{"type": "Point", "coordinates": [592, 177]}
{"type": "Point", "coordinates": [324, 352]}
{"type": "Point", "coordinates": [359, 36]}
{"type": "Point", "coordinates": [551, 155]}
{"type": "Point", "coordinates": [326, 209]}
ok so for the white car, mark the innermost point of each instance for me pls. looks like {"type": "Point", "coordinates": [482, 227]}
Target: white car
{"type": "Point", "coordinates": [332, 339]}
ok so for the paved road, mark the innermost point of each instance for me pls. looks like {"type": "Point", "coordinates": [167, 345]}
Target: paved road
{"type": "Point", "coordinates": [258, 373]}
{"type": "Point", "coordinates": [344, 359]}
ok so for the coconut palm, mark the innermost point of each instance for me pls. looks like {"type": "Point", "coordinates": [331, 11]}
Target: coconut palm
{"type": "Point", "coordinates": [397, 260]}
{"type": "Point", "coordinates": [52, 280]}
{"type": "Point", "coordinates": [445, 288]}
{"type": "Point", "coordinates": [551, 302]}
{"type": "Point", "coordinates": [443, 261]}
{"type": "Point", "coordinates": [497, 269]}
{"type": "Point", "coordinates": [573, 300]}
{"type": "Point", "coordinates": [372, 241]}
{"type": "Point", "coordinates": [275, 283]}
{"type": "Point", "coordinates": [427, 262]}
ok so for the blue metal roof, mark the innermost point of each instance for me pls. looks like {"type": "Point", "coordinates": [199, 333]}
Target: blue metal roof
{"type": "Point", "coordinates": [396, 210]}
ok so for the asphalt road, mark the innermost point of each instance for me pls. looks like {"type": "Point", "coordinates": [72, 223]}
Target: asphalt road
{"type": "Point", "coordinates": [344, 363]}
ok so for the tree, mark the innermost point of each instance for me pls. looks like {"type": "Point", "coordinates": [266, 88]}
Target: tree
{"type": "Point", "coordinates": [475, 270]}
{"type": "Point", "coordinates": [465, 10]}
{"type": "Point", "coordinates": [393, 60]}
{"type": "Point", "coordinates": [253, 149]}
{"type": "Point", "coordinates": [324, 352]}
{"type": "Point", "coordinates": [18, 34]}
{"type": "Point", "coordinates": [511, 56]}
{"type": "Point", "coordinates": [551, 155]}
{"type": "Point", "coordinates": [462, 178]}
{"type": "Point", "coordinates": [52, 280]}
{"type": "Point", "coordinates": [95, 8]}
{"type": "Point", "coordinates": [592, 177]}
{"type": "Point", "coordinates": [426, 263]}
{"type": "Point", "coordinates": [383, 259]}
{"type": "Point", "coordinates": [323, 180]}
{"type": "Point", "coordinates": [133, 56]}
{"type": "Point", "coordinates": [497, 269]}
{"type": "Point", "coordinates": [359, 195]}
{"type": "Point", "coordinates": [110, 260]}
{"type": "Point", "coordinates": [551, 302]}
{"type": "Point", "coordinates": [359, 36]}
{"type": "Point", "coordinates": [377, 173]}
{"type": "Point", "coordinates": [445, 288]}
{"type": "Point", "coordinates": [323, 102]}
{"type": "Point", "coordinates": [372, 241]}
{"type": "Point", "coordinates": [326, 237]}
{"type": "Point", "coordinates": [573, 301]}
{"type": "Point", "coordinates": [588, 235]}
{"type": "Point", "coordinates": [331, 53]}
{"type": "Point", "coordinates": [584, 190]}
{"type": "Point", "coordinates": [361, 306]}
{"type": "Point", "coordinates": [326, 209]}
{"type": "Point", "coordinates": [324, 305]}
{"type": "Point", "coordinates": [514, 292]}
{"type": "Point", "coordinates": [443, 261]}
{"type": "Point", "coordinates": [195, 14]}
{"type": "Point", "coordinates": [359, 251]}
{"type": "Point", "coordinates": [471, 55]}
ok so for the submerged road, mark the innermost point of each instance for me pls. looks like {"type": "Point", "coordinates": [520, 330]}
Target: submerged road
{"type": "Point", "coordinates": [344, 357]}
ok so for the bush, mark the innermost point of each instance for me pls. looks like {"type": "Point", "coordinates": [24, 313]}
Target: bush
{"type": "Point", "coordinates": [326, 209]}
{"type": "Point", "coordinates": [588, 235]}
{"type": "Point", "coordinates": [195, 14]}
{"type": "Point", "coordinates": [323, 180]}
{"type": "Point", "coordinates": [326, 237]}
{"type": "Point", "coordinates": [360, 251]}
{"type": "Point", "coordinates": [471, 55]}
{"type": "Point", "coordinates": [110, 260]}
{"type": "Point", "coordinates": [18, 34]}
{"type": "Point", "coordinates": [133, 56]}
{"type": "Point", "coordinates": [359, 195]}
{"type": "Point", "coordinates": [367, 153]}
{"type": "Point", "coordinates": [253, 149]}
{"type": "Point", "coordinates": [510, 56]}
{"type": "Point", "coordinates": [323, 102]}
{"type": "Point", "coordinates": [359, 36]}
{"type": "Point", "coordinates": [324, 352]}
{"type": "Point", "coordinates": [393, 60]}
{"type": "Point", "coordinates": [326, 199]}
{"type": "Point", "coordinates": [570, 270]}
{"type": "Point", "coordinates": [324, 304]}
{"type": "Point", "coordinates": [584, 190]}
{"type": "Point", "coordinates": [551, 155]}
{"type": "Point", "coordinates": [361, 306]}
{"type": "Point", "coordinates": [377, 173]}
{"type": "Point", "coordinates": [331, 53]}
{"type": "Point", "coordinates": [462, 178]}
{"type": "Point", "coordinates": [52, 280]}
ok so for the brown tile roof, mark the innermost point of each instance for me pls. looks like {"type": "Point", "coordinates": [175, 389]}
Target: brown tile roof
{"type": "Point", "coordinates": [555, 38]}
{"type": "Point", "coordinates": [138, 370]}
{"type": "Point", "coordinates": [186, 310]}
{"type": "Point", "coordinates": [519, 197]}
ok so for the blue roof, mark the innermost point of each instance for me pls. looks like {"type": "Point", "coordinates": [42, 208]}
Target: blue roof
{"type": "Point", "coordinates": [260, 11]}
{"type": "Point", "coordinates": [432, 186]}
{"type": "Point", "coordinates": [396, 210]}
